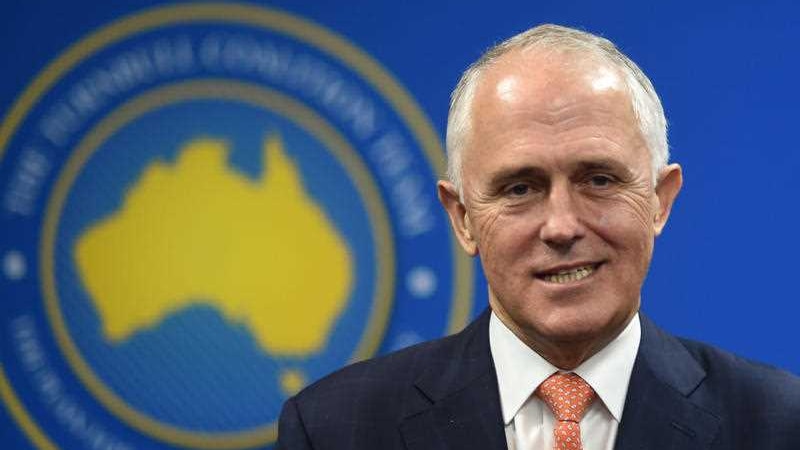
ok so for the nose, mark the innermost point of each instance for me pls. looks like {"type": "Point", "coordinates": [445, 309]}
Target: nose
{"type": "Point", "coordinates": [562, 226]}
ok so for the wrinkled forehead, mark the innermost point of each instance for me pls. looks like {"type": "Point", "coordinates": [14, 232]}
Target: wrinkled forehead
{"type": "Point", "coordinates": [542, 99]}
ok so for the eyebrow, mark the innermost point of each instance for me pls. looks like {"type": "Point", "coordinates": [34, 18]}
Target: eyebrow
{"type": "Point", "coordinates": [604, 164]}
{"type": "Point", "coordinates": [505, 176]}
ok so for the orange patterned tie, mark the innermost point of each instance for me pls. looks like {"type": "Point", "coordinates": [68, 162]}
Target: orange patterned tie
{"type": "Point", "coordinates": [568, 396]}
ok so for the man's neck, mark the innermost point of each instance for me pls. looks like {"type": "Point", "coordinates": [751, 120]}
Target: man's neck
{"type": "Point", "coordinates": [566, 354]}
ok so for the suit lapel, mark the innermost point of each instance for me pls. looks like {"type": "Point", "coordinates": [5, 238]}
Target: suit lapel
{"type": "Point", "coordinates": [659, 410]}
{"type": "Point", "coordinates": [457, 404]}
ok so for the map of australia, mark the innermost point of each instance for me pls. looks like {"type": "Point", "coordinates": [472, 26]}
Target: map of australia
{"type": "Point", "coordinates": [261, 252]}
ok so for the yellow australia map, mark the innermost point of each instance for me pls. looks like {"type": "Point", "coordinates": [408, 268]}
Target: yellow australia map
{"type": "Point", "coordinates": [262, 253]}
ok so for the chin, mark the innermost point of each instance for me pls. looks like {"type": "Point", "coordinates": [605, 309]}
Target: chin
{"type": "Point", "coordinates": [575, 326]}
{"type": "Point", "coordinates": [567, 332]}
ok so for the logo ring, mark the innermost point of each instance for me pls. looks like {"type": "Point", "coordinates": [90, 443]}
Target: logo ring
{"type": "Point", "coordinates": [275, 21]}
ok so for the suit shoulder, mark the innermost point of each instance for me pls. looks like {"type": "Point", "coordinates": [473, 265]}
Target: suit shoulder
{"type": "Point", "coordinates": [752, 382]}
{"type": "Point", "coordinates": [383, 378]}
{"type": "Point", "coordinates": [363, 404]}
{"type": "Point", "coordinates": [365, 400]}
{"type": "Point", "coordinates": [401, 366]}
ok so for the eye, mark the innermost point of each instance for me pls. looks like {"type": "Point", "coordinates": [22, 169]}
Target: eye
{"type": "Point", "coordinates": [600, 181]}
{"type": "Point", "coordinates": [518, 189]}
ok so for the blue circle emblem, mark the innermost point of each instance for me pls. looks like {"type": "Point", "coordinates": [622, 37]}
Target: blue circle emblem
{"type": "Point", "coordinates": [207, 207]}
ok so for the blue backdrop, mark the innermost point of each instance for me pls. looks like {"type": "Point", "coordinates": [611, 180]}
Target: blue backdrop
{"type": "Point", "coordinates": [727, 75]}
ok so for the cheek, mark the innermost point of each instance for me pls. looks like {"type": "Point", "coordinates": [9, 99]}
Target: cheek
{"type": "Point", "coordinates": [625, 224]}
{"type": "Point", "coordinates": [491, 228]}
{"type": "Point", "coordinates": [504, 243]}
{"type": "Point", "coordinates": [630, 207]}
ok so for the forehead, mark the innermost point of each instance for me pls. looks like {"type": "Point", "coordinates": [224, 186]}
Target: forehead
{"type": "Point", "coordinates": [531, 99]}
{"type": "Point", "coordinates": [548, 81]}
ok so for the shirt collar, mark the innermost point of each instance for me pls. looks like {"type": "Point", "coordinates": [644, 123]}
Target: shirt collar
{"type": "Point", "coordinates": [520, 370]}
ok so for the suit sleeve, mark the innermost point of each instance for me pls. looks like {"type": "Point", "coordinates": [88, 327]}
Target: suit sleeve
{"type": "Point", "coordinates": [291, 431]}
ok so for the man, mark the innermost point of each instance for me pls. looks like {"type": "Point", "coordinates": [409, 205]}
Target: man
{"type": "Point", "coordinates": [559, 182]}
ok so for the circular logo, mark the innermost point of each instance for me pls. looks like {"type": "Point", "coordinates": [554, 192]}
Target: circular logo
{"type": "Point", "coordinates": [206, 208]}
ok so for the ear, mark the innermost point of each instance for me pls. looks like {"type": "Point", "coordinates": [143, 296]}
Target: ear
{"type": "Point", "coordinates": [670, 180]}
{"type": "Point", "coordinates": [448, 196]}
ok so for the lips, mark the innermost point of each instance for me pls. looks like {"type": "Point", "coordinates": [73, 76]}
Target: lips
{"type": "Point", "coordinates": [568, 274]}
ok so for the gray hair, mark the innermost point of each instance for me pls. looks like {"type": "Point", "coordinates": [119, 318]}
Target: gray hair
{"type": "Point", "coordinates": [646, 105]}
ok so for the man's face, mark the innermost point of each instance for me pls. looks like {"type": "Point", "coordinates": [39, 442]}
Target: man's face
{"type": "Point", "coordinates": [558, 199]}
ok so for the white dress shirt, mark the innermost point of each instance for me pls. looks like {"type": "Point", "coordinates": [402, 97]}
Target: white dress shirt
{"type": "Point", "coordinates": [528, 421]}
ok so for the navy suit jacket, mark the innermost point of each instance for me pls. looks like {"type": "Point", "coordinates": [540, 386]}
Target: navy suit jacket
{"type": "Point", "coordinates": [443, 394]}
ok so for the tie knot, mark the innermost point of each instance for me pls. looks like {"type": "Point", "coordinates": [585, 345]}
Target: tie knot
{"type": "Point", "coordinates": [567, 395]}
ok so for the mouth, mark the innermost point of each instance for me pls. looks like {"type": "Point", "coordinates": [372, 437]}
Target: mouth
{"type": "Point", "coordinates": [569, 274]}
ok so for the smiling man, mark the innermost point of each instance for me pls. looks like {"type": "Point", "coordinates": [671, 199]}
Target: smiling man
{"type": "Point", "coordinates": [559, 182]}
